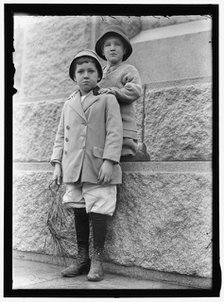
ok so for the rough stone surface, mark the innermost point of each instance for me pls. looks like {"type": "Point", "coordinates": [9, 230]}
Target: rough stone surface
{"type": "Point", "coordinates": [149, 22]}
{"type": "Point", "coordinates": [176, 57]}
{"type": "Point", "coordinates": [43, 54]}
{"type": "Point", "coordinates": [34, 129]}
{"type": "Point", "coordinates": [131, 24]}
{"type": "Point", "coordinates": [178, 123]}
{"type": "Point", "coordinates": [50, 45]}
{"type": "Point", "coordinates": [162, 221]}
{"type": "Point", "coordinates": [32, 201]}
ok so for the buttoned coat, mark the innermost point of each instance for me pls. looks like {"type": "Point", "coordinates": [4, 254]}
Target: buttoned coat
{"type": "Point", "coordinates": [88, 133]}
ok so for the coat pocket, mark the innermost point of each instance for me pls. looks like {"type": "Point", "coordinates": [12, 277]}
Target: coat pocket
{"type": "Point", "coordinates": [98, 152]}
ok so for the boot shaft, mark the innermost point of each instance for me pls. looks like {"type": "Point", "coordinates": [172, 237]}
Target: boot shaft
{"type": "Point", "coordinates": [99, 225]}
{"type": "Point", "coordinates": [82, 227]}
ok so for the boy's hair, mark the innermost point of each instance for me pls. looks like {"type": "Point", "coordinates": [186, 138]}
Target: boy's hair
{"type": "Point", "coordinates": [84, 59]}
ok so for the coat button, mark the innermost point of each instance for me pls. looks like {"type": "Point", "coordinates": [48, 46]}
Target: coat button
{"type": "Point", "coordinates": [66, 139]}
{"type": "Point", "coordinates": [66, 152]}
{"type": "Point", "coordinates": [67, 127]}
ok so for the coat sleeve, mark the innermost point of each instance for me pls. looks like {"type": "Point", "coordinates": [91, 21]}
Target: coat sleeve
{"type": "Point", "coordinates": [58, 148]}
{"type": "Point", "coordinates": [132, 87]}
{"type": "Point", "coordinates": [114, 130]}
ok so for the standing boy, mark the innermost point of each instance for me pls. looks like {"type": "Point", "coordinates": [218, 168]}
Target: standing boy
{"type": "Point", "coordinates": [122, 80]}
{"type": "Point", "coordinates": [86, 155]}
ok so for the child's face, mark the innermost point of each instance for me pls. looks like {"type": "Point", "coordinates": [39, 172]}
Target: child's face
{"type": "Point", "coordinates": [113, 50]}
{"type": "Point", "coordinates": [86, 76]}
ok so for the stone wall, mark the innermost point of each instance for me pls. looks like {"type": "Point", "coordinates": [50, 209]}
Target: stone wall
{"type": "Point", "coordinates": [177, 124]}
{"type": "Point", "coordinates": [174, 52]}
{"type": "Point", "coordinates": [163, 220]}
{"type": "Point", "coordinates": [48, 46]}
{"type": "Point", "coordinates": [151, 22]}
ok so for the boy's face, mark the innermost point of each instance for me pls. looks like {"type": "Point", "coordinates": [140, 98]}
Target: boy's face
{"type": "Point", "coordinates": [113, 50]}
{"type": "Point", "coordinates": [86, 76]}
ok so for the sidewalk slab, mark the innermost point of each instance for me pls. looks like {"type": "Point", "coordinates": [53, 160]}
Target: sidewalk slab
{"type": "Point", "coordinates": [36, 275]}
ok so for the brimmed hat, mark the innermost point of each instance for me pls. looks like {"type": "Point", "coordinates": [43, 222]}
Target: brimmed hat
{"type": "Point", "coordinates": [113, 30]}
{"type": "Point", "coordinates": [86, 53]}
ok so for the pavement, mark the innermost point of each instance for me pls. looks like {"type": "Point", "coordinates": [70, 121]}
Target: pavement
{"type": "Point", "coordinates": [36, 275]}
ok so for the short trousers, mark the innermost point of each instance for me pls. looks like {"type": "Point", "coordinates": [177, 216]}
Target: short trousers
{"type": "Point", "coordinates": [95, 198]}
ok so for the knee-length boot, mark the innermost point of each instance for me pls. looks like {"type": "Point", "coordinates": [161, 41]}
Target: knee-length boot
{"type": "Point", "coordinates": [99, 223]}
{"type": "Point", "coordinates": [82, 262]}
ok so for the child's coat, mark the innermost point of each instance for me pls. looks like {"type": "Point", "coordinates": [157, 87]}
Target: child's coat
{"type": "Point", "coordinates": [125, 83]}
{"type": "Point", "coordinates": [88, 132]}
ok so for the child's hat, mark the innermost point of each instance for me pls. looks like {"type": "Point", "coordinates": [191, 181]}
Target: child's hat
{"type": "Point", "coordinates": [86, 53]}
{"type": "Point", "coordinates": [113, 30]}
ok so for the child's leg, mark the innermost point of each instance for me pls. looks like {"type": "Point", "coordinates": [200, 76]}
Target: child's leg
{"type": "Point", "coordinates": [99, 223]}
{"type": "Point", "coordinates": [100, 203]}
{"type": "Point", "coordinates": [82, 263]}
{"type": "Point", "coordinates": [133, 151]}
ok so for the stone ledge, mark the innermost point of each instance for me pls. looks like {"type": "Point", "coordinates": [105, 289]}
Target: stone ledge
{"type": "Point", "coordinates": [179, 82]}
{"type": "Point", "coordinates": [163, 167]}
{"type": "Point", "coordinates": [133, 272]}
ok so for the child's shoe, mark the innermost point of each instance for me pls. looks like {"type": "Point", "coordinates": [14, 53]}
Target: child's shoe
{"type": "Point", "coordinates": [96, 270]}
{"type": "Point", "coordinates": [79, 267]}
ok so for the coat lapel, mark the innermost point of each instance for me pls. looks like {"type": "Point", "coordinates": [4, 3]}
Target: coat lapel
{"type": "Point", "coordinates": [89, 100]}
{"type": "Point", "coordinates": [75, 103]}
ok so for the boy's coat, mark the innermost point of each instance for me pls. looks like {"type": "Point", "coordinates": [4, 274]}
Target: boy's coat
{"type": "Point", "coordinates": [88, 132]}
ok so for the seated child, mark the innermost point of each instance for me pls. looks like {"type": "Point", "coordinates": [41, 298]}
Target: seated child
{"type": "Point", "coordinates": [122, 80]}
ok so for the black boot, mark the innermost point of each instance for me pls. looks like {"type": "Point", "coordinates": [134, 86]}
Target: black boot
{"type": "Point", "coordinates": [82, 262]}
{"type": "Point", "coordinates": [99, 223]}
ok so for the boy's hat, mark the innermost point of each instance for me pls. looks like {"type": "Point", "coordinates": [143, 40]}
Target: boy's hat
{"type": "Point", "coordinates": [86, 53]}
{"type": "Point", "coordinates": [110, 30]}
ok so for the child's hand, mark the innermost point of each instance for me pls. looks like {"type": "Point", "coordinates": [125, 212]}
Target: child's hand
{"type": "Point", "coordinates": [57, 177]}
{"type": "Point", "coordinates": [106, 91]}
{"type": "Point", "coordinates": [106, 172]}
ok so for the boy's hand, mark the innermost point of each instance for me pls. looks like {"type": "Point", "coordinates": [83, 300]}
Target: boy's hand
{"type": "Point", "coordinates": [57, 177]}
{"type": "Point", "coordinates": [106, 172]}
{"type": "Point", "coordinates": [106, 91]}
